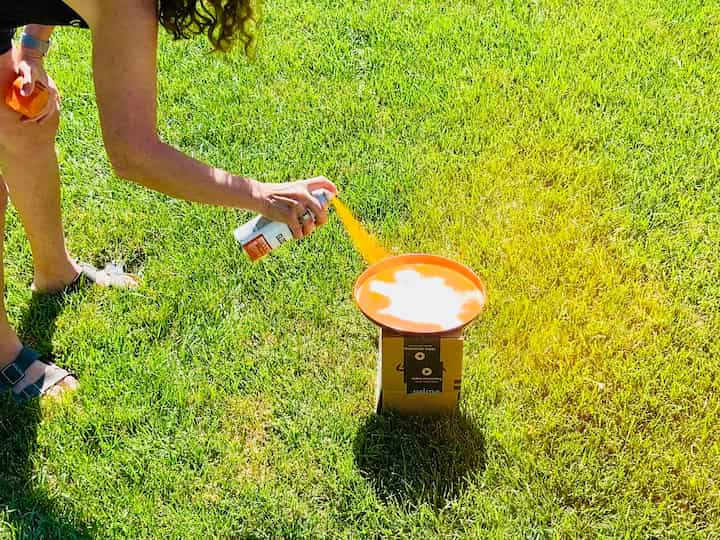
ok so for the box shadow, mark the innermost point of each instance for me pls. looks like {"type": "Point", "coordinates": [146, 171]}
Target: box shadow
{"type": "Point", "coordinates": [419, 459]}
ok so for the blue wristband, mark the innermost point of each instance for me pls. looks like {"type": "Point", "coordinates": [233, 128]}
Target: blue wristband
{"type": "Point", "coordinates": [31, 42]}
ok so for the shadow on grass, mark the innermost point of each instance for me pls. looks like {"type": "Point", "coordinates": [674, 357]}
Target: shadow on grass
{"type": "Point", "coordinates": [419, 460]}
{"type": "Point", "coordinates": [28, 510]}
{"type": "Point", "coordinates": [37, 325]}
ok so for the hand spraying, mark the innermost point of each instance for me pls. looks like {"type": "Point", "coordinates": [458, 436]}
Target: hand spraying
{"type": "Point", "coordinates": [260, 236]}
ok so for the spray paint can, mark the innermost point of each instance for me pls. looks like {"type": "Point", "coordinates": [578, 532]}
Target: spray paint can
{"type": "Point", "coordinates": [260, 236]}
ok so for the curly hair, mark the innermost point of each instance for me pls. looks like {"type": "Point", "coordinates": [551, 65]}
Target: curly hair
{"type": "Point", "coordinates": [225, 22]}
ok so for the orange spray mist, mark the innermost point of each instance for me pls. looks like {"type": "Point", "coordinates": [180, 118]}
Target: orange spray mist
{"type": "Point", "coordinates": [368, 247]}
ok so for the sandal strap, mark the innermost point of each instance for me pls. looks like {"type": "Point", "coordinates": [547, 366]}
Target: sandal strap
{"type": "Point", "coordinates": [88, 270]}
{"type": "Point", "coordinates": [91, 273]}
{"type": "Point", "coordinates": [14, 372]}
{"type": "Point", "coordinates": [78, 283]}
{"type": "Point", "coordinates": [43, 384]}
{"type": "Point", "coordinates": [29, 392]}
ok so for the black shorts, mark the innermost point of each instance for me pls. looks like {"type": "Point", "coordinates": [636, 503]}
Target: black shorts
{"type": "Point", "coordinates": [6, 39]}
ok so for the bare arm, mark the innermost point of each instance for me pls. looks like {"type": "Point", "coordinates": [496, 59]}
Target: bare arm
{"type": "Point", "coordinates": [124, 67]}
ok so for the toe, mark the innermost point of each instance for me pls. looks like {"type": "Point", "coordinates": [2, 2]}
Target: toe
{"type": "Point", "coordinates": [70, 383]}
{"type": "Point", "coordinates": [65, 387]}
{"type": "Point", "coordinates": [121, 281]}
{"type": "Point", "coordinates": [130, 282]}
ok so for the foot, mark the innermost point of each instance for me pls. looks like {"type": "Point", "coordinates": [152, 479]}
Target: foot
{"type": "Point", "coordinates": [111, 276]}
{"type": "Point", "coordinates": [10, 349]}
{"type": "Point", "coordinates": [56, 279]}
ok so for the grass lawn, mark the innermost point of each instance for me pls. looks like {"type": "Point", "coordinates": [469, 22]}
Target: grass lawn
{"type": "Point", "coordinates": [567, 151]}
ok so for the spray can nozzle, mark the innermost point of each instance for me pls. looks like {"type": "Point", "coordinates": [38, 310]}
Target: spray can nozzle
{"type": "Point", "coordinates": [323, 196]}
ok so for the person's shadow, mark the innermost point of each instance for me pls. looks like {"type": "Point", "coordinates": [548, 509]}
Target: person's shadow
{"type": "Point", "coordinates": [419, 459]}
{"type": "Point", "coordinates": [26, 508]}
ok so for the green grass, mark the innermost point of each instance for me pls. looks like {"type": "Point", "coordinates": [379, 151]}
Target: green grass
{"type": "Point", "coordinates": [567, 151]}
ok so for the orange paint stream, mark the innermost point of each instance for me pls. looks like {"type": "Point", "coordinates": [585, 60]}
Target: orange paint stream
{"type": "Point", "coordinates": [364, 242]}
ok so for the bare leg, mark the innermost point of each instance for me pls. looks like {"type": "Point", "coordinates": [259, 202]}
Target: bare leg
{"type": "Point", "coordinates": [9, 343]}
{"type": "Point", "coordinates": [29, 167]}
{"type": "Point", "coordinates": [31, 175]}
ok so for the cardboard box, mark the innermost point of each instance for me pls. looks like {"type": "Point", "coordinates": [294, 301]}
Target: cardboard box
{"type": "Point", "coordinates": [419, 374]}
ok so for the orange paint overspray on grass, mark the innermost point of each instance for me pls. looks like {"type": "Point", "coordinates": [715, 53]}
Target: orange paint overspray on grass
{"type": "Point", "coordinates": [364, 242]}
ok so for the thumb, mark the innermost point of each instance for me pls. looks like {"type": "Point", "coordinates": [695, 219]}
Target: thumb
{"type": "Point", "coordinates": [28, 83]}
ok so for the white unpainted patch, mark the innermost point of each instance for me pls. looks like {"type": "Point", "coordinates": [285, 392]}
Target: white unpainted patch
{"type": "Point", "coordinates": [424, 299]}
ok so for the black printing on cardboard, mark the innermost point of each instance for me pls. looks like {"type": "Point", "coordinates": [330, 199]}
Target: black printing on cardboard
{"type": "Point", "coordinates": [423, 369]}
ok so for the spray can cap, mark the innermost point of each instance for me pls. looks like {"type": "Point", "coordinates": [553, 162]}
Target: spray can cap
{"type": "Point", "coordinates": [322, 195]}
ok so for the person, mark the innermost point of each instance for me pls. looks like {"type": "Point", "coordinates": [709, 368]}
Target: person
{"type": "Point", "coordinates": [124, 42]}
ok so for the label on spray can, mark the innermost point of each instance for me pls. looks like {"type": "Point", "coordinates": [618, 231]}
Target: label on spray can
{"type": "Point", "coordinates": [260, 236]}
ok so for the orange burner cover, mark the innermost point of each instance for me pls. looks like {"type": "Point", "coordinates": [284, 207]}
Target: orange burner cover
{"type": "Point", "coordinates": [420, 294]}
